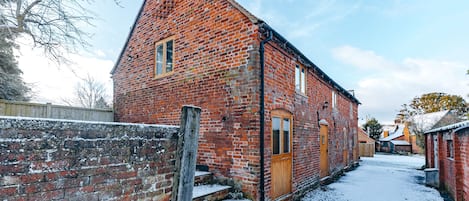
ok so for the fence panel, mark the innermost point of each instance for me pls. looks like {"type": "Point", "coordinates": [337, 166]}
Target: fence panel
{"type": "Point", "coordinates": [367, 150]}
{"type": "Point", "coordinates": [36, 110]}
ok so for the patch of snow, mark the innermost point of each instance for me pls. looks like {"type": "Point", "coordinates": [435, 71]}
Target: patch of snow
{"type": "Point", "coordinates": [400, 142]}
{"type": "Point", "coordinates": [396, 132]}
{"type": "Point", "coordinates": [201, 173]}
{"type": "Point", "coordinates": [203, 190]}
{"type": "Point", "coordinates": [425, 122]}
{"type": "Point", "coordinates": [384, 178]}
{"type": "Point", "coordinates": [88, 122]}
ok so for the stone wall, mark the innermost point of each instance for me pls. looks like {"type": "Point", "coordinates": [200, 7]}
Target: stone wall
{"type": "Point", "coordinates": [71, 160]}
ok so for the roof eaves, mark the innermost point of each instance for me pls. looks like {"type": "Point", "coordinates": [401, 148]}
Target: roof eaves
{"type": "Point", "coordinates": [321, 73]}
{"type": "Point", "coordinates": [458, 126]}
{"type": "Point", "coordinates": [128, 37]}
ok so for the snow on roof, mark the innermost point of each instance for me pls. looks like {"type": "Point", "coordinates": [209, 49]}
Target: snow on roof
{"type": "Point", "coordinates": [449, 127]}
{"type": "Point", "coordinates": [427, 121]}
{"type": "Point", "coordinates": [400, 142]}
{"type": "Point", "coordinates": [398, 131]}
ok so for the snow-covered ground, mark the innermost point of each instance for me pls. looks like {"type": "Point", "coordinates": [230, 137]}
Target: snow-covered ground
{"type": "Point", "coordinates": [384, 178]}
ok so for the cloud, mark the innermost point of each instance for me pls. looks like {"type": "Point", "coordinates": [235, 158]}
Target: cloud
{"type": "Point", "coordinates": [386, 85]}
{"type": "Point", "coordinates": [301, 20]}
{"type": "Point", "coordinates": [52, 83]}
{"type": "Point", "coordinates": [362, 59]}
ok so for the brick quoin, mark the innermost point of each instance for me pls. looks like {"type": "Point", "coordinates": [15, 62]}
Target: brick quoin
{"type": "Point", "coordinates": [217, 67]}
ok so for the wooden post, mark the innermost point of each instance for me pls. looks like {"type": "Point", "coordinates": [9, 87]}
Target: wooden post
{"type": "Point", "coordinates": [183, 181]}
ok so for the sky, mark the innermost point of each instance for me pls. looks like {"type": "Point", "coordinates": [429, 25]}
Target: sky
{"type": "Point", "coordinates": [387, 51]}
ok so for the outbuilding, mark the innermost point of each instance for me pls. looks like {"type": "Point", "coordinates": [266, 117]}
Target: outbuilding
{"type": "Point", "coordinates": [447, 157]}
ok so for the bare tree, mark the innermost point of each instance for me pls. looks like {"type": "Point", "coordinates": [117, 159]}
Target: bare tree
{"type": "Point", "coordinates": [89, 93]}
{"type": "Point", "coordinates": [53, 25]}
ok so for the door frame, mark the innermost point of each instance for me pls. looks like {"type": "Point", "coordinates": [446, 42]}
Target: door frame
{"type": "Point", "coordinates": [324, 124]}
{"type": "Point", "coordinates": [282, 114]}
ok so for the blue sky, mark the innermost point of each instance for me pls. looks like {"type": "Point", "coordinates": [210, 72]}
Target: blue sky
{"type": "Point", "coordinates": [388, 51]}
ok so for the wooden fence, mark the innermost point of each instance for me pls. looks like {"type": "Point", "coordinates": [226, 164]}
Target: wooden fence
{"type": "Point", "coordinates": [367, 149]}
{"type": "Point", "coordinates": [36, 110]}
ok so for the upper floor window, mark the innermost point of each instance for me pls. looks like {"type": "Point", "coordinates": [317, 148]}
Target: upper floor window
{"type": "Point", "coordinates": [300, 79]}
{"type": "Point", "coordinates": [334, 99]}
{"type": "Point", "coordinates": [164, 57]}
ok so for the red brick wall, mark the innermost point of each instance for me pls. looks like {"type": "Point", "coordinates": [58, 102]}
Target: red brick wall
{"type": "Point", "coordinates": [447, 166]}
{"type": "Point", "coordinates": [462, 163]}
{"type": "Point", "coordinates": [280, 94]}
{"type": "Point", "coordinates": [55, 160]}
{"type": "Point", "coordinates": [216, 68]}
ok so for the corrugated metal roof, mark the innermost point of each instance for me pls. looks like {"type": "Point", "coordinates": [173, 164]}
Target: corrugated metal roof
{"type": "Point", "coordinates": [449, 127]}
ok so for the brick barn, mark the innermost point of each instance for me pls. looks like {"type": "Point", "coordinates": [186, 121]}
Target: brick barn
{"type": "Point", "coordinates": [272, 121]}
{"type": "Point", "coordinates": [447, 150]}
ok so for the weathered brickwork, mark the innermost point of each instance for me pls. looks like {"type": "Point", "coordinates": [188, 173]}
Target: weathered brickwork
{"type": "Point", "coordinates": [65, 160]}
{"type": "Point", "coordinates": [281, 94]}
{"type": "Point", "coordinates": [454, 176]}
{"type": "Point", "coordinates": [462, 161]}
{"type": "Point", "coordinates": [217, 68]}
{"type": "Point", "coordinates": [215, 54]}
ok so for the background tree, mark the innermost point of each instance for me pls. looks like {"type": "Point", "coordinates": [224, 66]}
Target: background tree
{"type": "Point", "coordinates": [12, 86]}
{"type": "Point", "coordinates": [373, 128]}
{"type": "Point", "coordinates": [89, 93]}
{"type": "Point", "coordinates": [435, 102]}
{"type": "Point", "coordinates": [54, 25]}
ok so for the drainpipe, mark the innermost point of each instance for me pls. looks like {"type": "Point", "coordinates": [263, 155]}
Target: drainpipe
{"type": "Point", "coordinates": [262, 112]}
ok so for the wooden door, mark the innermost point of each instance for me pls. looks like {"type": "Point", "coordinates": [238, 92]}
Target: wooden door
{"type": "Point", "coordinates": [324, 153]}
{"type": "Point", "coordinates": [281, 154]}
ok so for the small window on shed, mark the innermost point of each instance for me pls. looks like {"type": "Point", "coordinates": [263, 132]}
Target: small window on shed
{"type": "Point", "coordinates": [450, 149]}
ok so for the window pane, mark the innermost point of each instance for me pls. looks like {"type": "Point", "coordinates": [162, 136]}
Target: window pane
{"type": "Point", "coordinates": [276, 135]}
{"type": "Point", "coordinates": [297, 78]}
{"type": "Point", "coordinates": [286, 135]}
{"type": "Point", "coordinates": [159, 59]}
{"type": "Point", "coordinates": [303, 81]}
{"type": "Point", "coordinates": [169, 56]}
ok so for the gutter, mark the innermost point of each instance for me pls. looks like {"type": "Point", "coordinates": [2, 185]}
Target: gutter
{"type": "Point", "coordinates": [286, 44]}
{"type": "Point", "coordinates": [262, 113]}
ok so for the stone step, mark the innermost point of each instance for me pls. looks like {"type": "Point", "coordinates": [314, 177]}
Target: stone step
{"type": "Point", "coordinates": [202, 177]}
{"type": "Point", "coordinates": [211, 192]}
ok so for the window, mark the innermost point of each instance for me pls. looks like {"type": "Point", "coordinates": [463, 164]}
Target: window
{"type": "Point", "coordinates": [300, 79]}
{"type": "Point", "coordinates": [450, 149]}
{"type": "Point", "coordinates": [281, 133]}
{"type": "Point", "coordinates": [164, 57]}
{"type": "Point", "coordinates": [334, 99]}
